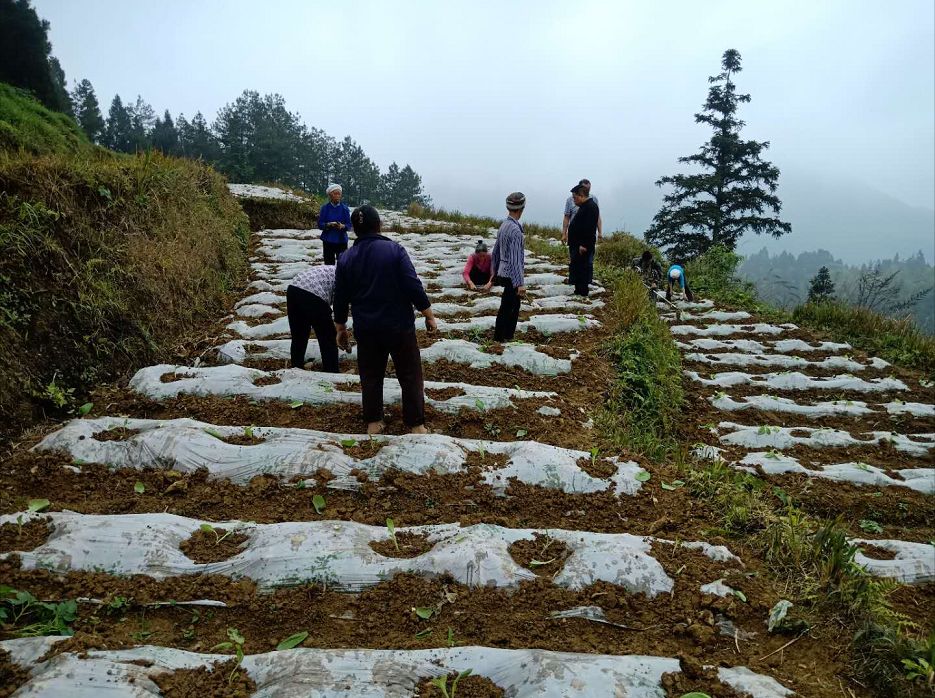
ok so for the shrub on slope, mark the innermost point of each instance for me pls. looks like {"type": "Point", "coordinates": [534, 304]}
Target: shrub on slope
{"type": "Point", "coordinates": [27, 125]}
{"type": "Point", "coordinates": [108, 260]}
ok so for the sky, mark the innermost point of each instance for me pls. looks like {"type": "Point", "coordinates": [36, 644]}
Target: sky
{"type": "Point", "coordinates": [483, 98]}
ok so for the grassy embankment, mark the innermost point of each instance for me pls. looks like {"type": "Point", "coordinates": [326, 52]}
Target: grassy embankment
{"type": "Point", "coordinates": [265, 214]}
{"type": "Point", "coordinates": [108, 261]}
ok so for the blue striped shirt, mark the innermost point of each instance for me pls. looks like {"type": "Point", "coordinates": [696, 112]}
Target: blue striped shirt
{"type": "Point", "coordinates": [509, 257]}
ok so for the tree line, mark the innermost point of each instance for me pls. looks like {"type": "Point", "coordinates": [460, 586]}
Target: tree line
{"type": "Point", "coordinates": [894, 287]}
{"type": "Point", "coordinates": [252, 139]}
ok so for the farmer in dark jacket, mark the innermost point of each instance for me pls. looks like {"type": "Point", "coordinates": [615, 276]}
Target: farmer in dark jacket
{"type": "Point", "coordinates": [376, 278]}
{"type": "Point", "coordinates": [582, 238]}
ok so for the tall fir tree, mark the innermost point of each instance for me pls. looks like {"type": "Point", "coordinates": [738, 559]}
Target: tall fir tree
{"type": "Point", "coordinates": [196, 140]}
{"type": "Point", "coordinates": [821, 287]}
{"type": "Point", "coordinates": [118, 131]}
{"type": "Point", "coordinates": [87, 110]}
{"type": "Point", "coordinates": [410, 188]}
{"type": "Point", "coordinates": [389, 187]}
{"type": "Point", "coordinates": [142, 119]}
{"type": "Point", "coordinates": [734, 192]}
{"type": "Point", "coordinates": [165, 136]}
{"type": "Point", "coordinates": [26, 58]}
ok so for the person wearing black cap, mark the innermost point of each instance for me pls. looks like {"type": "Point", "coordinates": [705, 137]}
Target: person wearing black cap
{"type": "Point", "coordinates": [582, 238]}
{"type": "Point", "coordinates": [508, 261]}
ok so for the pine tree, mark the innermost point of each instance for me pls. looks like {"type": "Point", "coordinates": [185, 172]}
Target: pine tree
{"type": "Point", "coordinates": [165, 136]}
{"type": "Point", "coordinates": [26, 58]}
{"type": "Point", "coordinates": [389, 187]}
{"type": "Point", "coordinates": [821, 287]}
{"type": "Point", "coordinates": [118, 130]}
{"type": "Point", "coordinates": [142, 119]}
{"type": "Point", "coordinates": [87, 110]}
{"type": "Point", "coordinates": [733, 192]}
{"type": "Point", "coordinates": [410, 188]}
{"type": "Point", "coordinates": [196, 140]}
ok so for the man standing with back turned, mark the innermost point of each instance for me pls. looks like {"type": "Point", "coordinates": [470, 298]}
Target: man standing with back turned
{"type": "Point", "coordinates": [570, 210]}
{"type": "Point", "coordinates": [582, 238]}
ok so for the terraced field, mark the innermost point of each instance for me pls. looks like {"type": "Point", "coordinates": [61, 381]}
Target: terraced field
{"type": "Point", "coordinates": [222, 527]}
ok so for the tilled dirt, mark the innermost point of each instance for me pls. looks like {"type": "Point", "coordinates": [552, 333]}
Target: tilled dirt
{"type": "Point", "coordinates": [468, 687]}
{"type": "Point", "coordinates": [542, 555]}
{"type": "Point", "coordinates": [12, 676]}
{"type": "Point", "coordinates": [115, 434]}
{"type": "Point", "coordinates": [212, 545]}
{"type": "Point", "coordinates": [223, 680]}
{"type": "Point", "coordinates": [28, 536]}
{"type": "Point", "coordinates": [695, 678]}
{"type": "Point", "coordinates": [405, 545]}
{"type": "Point", "coordinates": [684, 622]}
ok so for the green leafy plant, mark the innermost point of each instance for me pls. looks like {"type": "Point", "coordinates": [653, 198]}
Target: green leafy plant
{"type": "Point", "coordinates": [441, 683]}
{"type": "Point", "coordinates": [675, 484]}
{"type": "Point", "coordinates": [319, 503]}
{"type": "Point", "coordinates": [36, 505]}
{"type": "Point", "coordinates": [296, 404]}
{"type": "Point", "coordinates": [348, 443]}
{"type": "Point", "coordinates": [236, 643]}
{"type": "Point", "coordinates": [208, 528]}
{"type": "Point", "coordinates": [292, 641]}
{"type": "Point", "coordinates": [248, 431]}
{"type": "Point", "coordinates": [45, 618]}
{"type": "Point", "coordinates": [424, 612]}
{"type": "Point", "coordinates": [643, 476]}
{"type": "Point", "coordinates": [139, 487]}
{"type": "Point", "coordinates": [391, 529]}
{"type": "Point", "coordinates": [870, 526]}
{"type": "Point", "coordinates": [85, 408]}
{"type": "Point", "coordinates": [451, 637]}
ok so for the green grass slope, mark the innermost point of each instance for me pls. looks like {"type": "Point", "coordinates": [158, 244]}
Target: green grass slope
{"type": "Point", "coordinates": [26, 125]}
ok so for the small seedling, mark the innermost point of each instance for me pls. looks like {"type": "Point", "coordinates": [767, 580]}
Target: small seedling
{"type": "Point", "coordinates": [422, 634]}
{"type": "Point", "coordinates": [739, 594]}
{"type": "Point", "coordinates": [208, 528]}
{"type": "Point", "coordinates": [85, 408]}
{"type": "Point", "coordinates": [441, 683]}
{"type": "Point", "coordinates": [594, 453]}
{"type": "Point", "coordinates": [296, 404]}
{"type": "Point", "coordinates": [36, 505]}
{"type": "Point", "coordinates": [451, 637]}
{"type": "Point", "coordinates": [541, 563]}
{"type": "Point", "coordinates": [348, 443]}
{"type": "Point", "coordinates": [248, 431]}
{"type": "Point", "coordinates": [236, 643]}
{"type": "Point", "coordinates": [479, 404]}
{"type": "Point", "coordinates": [292, 641]}
{"type": "Point", "coordinates": [215, 433]}
{"type": "Point", "coordinates": [773, 454]}
{"type": "Point", "coordinates": [520, 433]}
{"type": "Point", "coordinates": [391, 529]}
{"type": "Point", "coordinates": [319, 503]}
{"type": "Point", "coordinates": [139, 487]}
{"type": "Point", "coordinates": [643, 476]}
{"type": "Point", "coordinates": [424, 612]}
{"type": "Point", "coordinates": [870, 526]}
{"type": "Point", "coordinates": [673, 486]}
{"type": "Point", "coordinates": [863, 466]}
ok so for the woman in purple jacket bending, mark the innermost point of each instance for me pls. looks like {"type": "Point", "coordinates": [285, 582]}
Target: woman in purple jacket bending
{"type": "Point", "coordinates": [376, 279]}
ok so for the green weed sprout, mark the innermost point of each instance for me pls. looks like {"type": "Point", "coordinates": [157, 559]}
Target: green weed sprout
{"type": "Point", "coordinates": [391, 529]}
{"type": "Point", "coordinates": [208, 528]}
{"type": "Point", "coordinates": [441, 683]}
{"type": "Point", "coordinates": [236, 643]}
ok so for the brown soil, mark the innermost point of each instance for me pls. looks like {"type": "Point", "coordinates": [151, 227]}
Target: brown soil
{"type": "Point", "coordinates": [918, 604]}
{"type": "Point", "coordinates": [174, 377]}
{"type": "Point", "coordinates": [203, 547]}
{"type": "Point", "coordinates": [254, 348]}
{"type": "Point", "coordinates": [540, 549]}
{"type": "Point", "coordinates": [363, 448]}
{"type": "Point", "coordinates": [443, 393]}
{"type": "Point", "coordinates": [243, 440]}
{"type": "Point", "coordinates": [32, 534]}
{"type": "Point", "coordinates": [410, 545]}
{"type": "Point", "coordinates": [693, 677]}
{"type": "Point", "coordinates": [267, 380]}
{"type": "Point", "coordinates": [12, 676]}
{"type": "Point", "coordinates": [876, 552]}
{"type": "Point", "coordinates": [683, 622]}
{"type": "Point", "coordinates": [115, 434]}
{"type": "Point", "coordinates": [485, 460]}
{"type": "Point", "coordinates": [598, 467]}
{"type": "Point", "coordinates": [346, 387]}
{"type": "Point", "coordinates": [472, 686]}
{"type": "Point", "coordinates": [206, 683]}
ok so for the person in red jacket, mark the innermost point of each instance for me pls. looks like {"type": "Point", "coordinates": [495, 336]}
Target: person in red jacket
{"type": "Point", "coordinates": [479, 271]}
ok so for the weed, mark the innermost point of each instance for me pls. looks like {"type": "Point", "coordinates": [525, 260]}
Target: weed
{"type": "Point", "coordinates": [292, 641]}
{"type": "Point", "coordinates": [236, 643]}
{"type": "Point", "coordinates": [441, 683]}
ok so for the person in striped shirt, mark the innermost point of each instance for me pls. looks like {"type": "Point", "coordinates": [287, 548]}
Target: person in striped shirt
{"type": "Point", "coordinates": [309, 297]}
{"type": "Point", "coordinates": [508, 260]}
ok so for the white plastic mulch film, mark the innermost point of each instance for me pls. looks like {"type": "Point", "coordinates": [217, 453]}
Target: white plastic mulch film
{"type": "Point", "coordinates": [311, 387]}
{"type": "Point", "coordinates": [337, 554]}
{"type": "Point", "coordinates": [338, 673]}
{"type": "Point", "coordinates": [187, 445]}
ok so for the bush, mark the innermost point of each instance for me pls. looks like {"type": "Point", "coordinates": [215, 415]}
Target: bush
{"type": "Point", "coordinates": [28, 126]}
{"type": "Point", "coordinates": [618, 251]}
{"type": "Point", "coordinates": [898, 341]}
{"type": "Point", "coordinates": [647, 397]}
{"type": "Point", "coordinates": [108, 261]}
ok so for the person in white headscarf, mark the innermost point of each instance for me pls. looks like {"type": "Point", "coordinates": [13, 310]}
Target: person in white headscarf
{"type": "Point", "coordinates": [334, 221]}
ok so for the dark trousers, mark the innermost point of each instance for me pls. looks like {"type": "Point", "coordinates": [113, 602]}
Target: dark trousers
{"type": "Point", "coordinates": [306, 312]}
{"type": "Point", "coordinates": [580, 270]}
{"type": "Point", "coordinates": [333, 250]}
{"type": "Point", "coordinates": [480, 278]}
{"type": "Point", "coordinates": [508, 313]}
{"type": "Point", "coordinates": [373, 350]}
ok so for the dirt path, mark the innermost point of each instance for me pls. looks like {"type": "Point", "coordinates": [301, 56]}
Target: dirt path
{"type": "Point", "coordinates": [239, 494]}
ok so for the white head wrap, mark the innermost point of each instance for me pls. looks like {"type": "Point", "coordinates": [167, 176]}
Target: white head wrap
{"type": "Point", "coordinates": [334, 187]}
{"type": "Point", "coordinates": [674, 273]}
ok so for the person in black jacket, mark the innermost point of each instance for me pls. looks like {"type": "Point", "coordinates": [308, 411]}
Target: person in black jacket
{"type": "Point", "coordinates": [582, 238]}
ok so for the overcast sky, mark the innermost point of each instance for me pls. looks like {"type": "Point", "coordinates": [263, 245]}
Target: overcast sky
{"type": "Point", "coordinates": [484, 97]}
